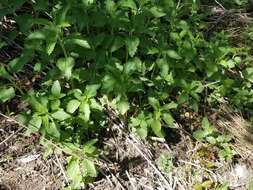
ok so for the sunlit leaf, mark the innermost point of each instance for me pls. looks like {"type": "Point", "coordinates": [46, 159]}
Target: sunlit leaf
{"type": "Point", "coordinates": [72, 105]}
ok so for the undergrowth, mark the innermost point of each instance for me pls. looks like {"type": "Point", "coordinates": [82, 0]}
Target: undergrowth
{"type": "Point", "coordinates": [142, 61]}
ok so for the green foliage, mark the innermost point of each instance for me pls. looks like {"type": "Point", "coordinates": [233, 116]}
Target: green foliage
{"type": "Point", "coordinates": [142, 59]}
{"type": "Point", "coordinates": [165, 162]}
{"type": "Point", "coordinates": [209, 134]}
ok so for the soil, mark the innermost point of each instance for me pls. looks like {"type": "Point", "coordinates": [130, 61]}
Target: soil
{"type": "Point", "coordinates": [125, 162]}
{"type": "Point", "coordinates": [22, 166]}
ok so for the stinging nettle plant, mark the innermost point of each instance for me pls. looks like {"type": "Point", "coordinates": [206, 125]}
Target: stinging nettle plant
{"type": "Point", "coordinates": [145, 59]}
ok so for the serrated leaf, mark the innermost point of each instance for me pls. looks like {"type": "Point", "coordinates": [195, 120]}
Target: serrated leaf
{"type": "Point", "coordinates": [60, 115]}
{"type": "Point", "coordinates": [123, 107]}
{"type": "Point", "coordinates": [89, 168]}
{"type": "Point", "coordinates": [173, 54]}
{"type": "Point", "coordinates": [78, 41]}
{"type": "Point", "coordinates": [73, 105]}
{"type": "Point", "coordinates": [132, 44]}
{"type": "Point", "coordinates": [56, 89]}
{"type": "Point", "coordinates": [133, 65]}
{"type": "Point", "coordinates": [74, 173]}
{"type": "Point", "coordinates": [65, 65]}
{"type": "Point", "coordinates": [6, 94]}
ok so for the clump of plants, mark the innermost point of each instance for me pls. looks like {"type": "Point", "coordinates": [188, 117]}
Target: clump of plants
{"type": "Point", "coordinates": [142, 59]}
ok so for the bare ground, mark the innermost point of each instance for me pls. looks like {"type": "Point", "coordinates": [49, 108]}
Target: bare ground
{"type": "Point", "coordinates": [127, 162]}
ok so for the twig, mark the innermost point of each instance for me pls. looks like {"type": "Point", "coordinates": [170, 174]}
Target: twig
{"type": "Point", "coordinates": [9, 137]}
{"type": "Point", "coordinates": [119, 183]}
{"type": "Point", "coordinates": [131, 181]}
{"type": "Point", "coordinates": [197, 166]}
{"type": "Point", "coordinates": [220, 4]}
{"type": "Point", "coordinates": [61, 168]}
{"type": "Point", "coordinates": [150, 163]}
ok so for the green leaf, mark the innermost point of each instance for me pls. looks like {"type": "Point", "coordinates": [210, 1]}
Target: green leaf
{"type": "Point", "coordinates": [91, 90]}
{"type": "Point", "coordinates": [60, 115]}
{"type": "Point", "coordinates": [74, 173]}
{"type": "Point", "coordinates": [56, 89]}
{"type": "Point", "coordinates": [35, 123]}
{"type": "Point", "coordinates": [36, 105]}
{"type": "Point", "coordinates": [89, 168]}
{"type": "Point", "coordinates": [154, 103]}
{"type": "Point", "coordinates": [200, 134]}
{"type": "Point", "coordinates": [37, 35]}
{"type": "Point", "coordinates": [110, 6]}
{"type": "Point", "coordinates": [6, 94]}
{"type": "Point", "coordinates": [173, 54]}
{"type": "Point", "coordinates": [65, 65]}
{"type": "Point", "coordinates": [157, 12]}
{"type": "Point", "coordinates": [73, 105]}
{"type": "Point", "coordinates": [118, 42]}
{"type": "Point", "coordinates": [169, 120]}
{"type": "Point", "coordinates": [249, 188]}
{"type": "Point", "coordinates": [123, 107]}
{"type": "Point", "coordinates": [142, 132]}
{"type": "Point", "coordinates": [17, 64]}
{"type": "Point", "coordinates": [85, 109]}
{"type": "Point", "coordinates": [248, 74]}
{"type": "Point", "coordinates": [50, 47]}
{"type": "Point", "coordinates": [132, 44]}
{"type": "Point", "coordinates": [128, 4]}
{"type": "Point", "coordinates": [211, 140]}
{"type": "Point", "coordinates": [78, 41]}
{"type": "Point", "coordinates": [55, 105]}
{"type": "Point", "coordinates": [52, 130]}
{"type": "Point", "coordinates": [171, 105]}
{"type": "Point", "coordinates": [205, 123]}
{"type": "Point", "coordinates": [89, 147]}
{"type": "Point", "coordinates": [157, 128]}
{"type": "Point", "coordinates": [4, 73]}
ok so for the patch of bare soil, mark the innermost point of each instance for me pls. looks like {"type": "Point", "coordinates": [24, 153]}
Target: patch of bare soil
{"type": "Point", "coordinates": [127, 162]}
{"type": "Point", "coordinates": [130, 163]}
{"type": "Point", "coordinates": [22, 166]}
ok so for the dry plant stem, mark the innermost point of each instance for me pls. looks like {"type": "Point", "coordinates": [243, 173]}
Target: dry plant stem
{"type": "Point", "coordinates": [119, 183]}
{"type": "Point", "coordinates": [149, 162]}
{"type": "Point", "coordinates": [220, 5]}
{"type": "Point", "coordinates": [9, 137]}
{"type": "Point", "coordinates": [131, 181]}
{"type": "Point", "coordinates": [61, 168]}
{"type": "Point", "coordinates": [197, 166]}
